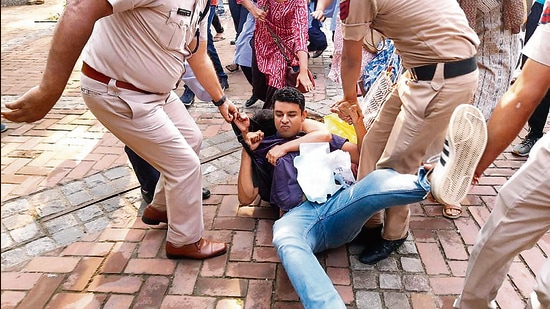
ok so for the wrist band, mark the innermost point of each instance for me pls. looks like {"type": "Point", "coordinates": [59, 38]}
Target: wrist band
{"type": "Point", "coordinates": [220, 101]}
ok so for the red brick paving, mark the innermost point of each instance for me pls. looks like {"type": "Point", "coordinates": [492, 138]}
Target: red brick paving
{"type": "Point", "coordinates": [125, 266]}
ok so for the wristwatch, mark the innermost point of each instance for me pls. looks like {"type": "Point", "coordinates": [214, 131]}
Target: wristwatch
{"type": "Point", "coordinates": [220, 101]}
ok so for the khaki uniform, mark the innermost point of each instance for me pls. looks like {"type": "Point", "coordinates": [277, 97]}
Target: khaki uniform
{"type": "Point", "coordinates": [520, 217]}
{"type": "Point", "coordinates": [145, 43]}
{"type": "Point", "coordinates": [416, 115]}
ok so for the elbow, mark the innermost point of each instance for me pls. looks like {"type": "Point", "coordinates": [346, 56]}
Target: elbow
{"type": "Point", "coordinates": [245, 199]}
{"type": "Point", "coordinates": [327, 136]}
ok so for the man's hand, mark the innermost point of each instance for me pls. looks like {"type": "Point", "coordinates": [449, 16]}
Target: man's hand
{"type": "Point", "coordinates": [31, 106]}
{"type": "Point", "coordinates": [351, 111]}
{"type": "Point", "coordinates": [228, 110]}
{"type": "Point", "coordinates": [275, 153]}
{"type": "Point", "coordinates": [242, 121]}
{"type": "Point", "coordinates": [342, 109]}
{"type": "Point", "coordinates": [253, 139]}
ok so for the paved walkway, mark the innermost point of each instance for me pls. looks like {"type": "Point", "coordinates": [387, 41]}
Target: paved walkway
{"type": "Point", "coordinates": [72, 236]}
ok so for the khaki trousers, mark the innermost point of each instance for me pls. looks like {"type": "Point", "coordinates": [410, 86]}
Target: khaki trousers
{"type": "Point", "coordinates": [413, 119]}
{"type": "Point", "coordinates": [161, 131]}
{"type": "Point", "coordinates": [521, 216]}
{"type": "Point", "coordinates": [540, 298]}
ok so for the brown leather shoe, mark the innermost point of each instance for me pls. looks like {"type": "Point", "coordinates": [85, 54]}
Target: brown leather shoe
{"type": "Point", "coordinates": [153, 216]}
{"type": "Point", "coordinates": [202, 249]}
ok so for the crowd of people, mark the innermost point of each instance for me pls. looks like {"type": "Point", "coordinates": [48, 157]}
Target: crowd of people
{"type": "Point", "coordinates": [448, 103]}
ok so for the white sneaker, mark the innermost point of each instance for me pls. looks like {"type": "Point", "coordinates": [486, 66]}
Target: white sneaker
{"type": "Point", "coordinates": [464, 144]}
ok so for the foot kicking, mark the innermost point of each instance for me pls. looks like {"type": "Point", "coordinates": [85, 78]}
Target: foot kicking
{"type": "Point", "coordinates": [452, 176]}
{"type": "Point", "coordinates": [464, 144]}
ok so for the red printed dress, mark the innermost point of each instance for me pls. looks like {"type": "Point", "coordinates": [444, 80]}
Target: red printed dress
{"type": "Point", "coordinates": [289, 20]}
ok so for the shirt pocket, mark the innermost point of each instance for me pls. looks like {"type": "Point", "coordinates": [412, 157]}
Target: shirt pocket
{"type": "Point", "coordinates": [173, 33]}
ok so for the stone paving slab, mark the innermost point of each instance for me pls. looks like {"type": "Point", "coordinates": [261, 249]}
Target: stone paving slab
{"type": "Point", "coordinates": [72, 236]}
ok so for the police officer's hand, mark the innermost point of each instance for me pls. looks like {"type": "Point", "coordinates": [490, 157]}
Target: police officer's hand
{"type": "Point", "coordinates": [31, 106]}
{"type": "Point", "coordinates": [335, 108]}
{"type": "Point", "coordinates": [228, 110]}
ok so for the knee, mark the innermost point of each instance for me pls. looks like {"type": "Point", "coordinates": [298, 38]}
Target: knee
{"type": "Point", "coordinates": [284, 237]}
{"type": "Point", "coordinates": [195, 140]}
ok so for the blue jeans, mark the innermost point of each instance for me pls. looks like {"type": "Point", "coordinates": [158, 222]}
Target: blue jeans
{"type": "Point", "coordinates": [311, 228]}
{"type": "Point", "coordinates": [146, 174]}
{"type": "Point", "coordinates": [211, 49]}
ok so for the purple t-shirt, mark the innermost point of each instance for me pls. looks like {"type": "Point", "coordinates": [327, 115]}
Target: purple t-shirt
{"type": "Point", "coordinates": [278, 184]}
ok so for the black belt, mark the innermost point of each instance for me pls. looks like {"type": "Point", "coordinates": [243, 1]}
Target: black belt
{"type": "Point", "coordinates": [451, 69]}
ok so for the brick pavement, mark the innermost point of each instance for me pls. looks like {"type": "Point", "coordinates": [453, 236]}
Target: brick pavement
{"type": "Point", "coordinates": [71, 234]}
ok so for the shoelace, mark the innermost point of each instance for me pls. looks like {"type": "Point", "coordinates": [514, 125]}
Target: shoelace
{"type": "Point", "coordinates": [529, 142]}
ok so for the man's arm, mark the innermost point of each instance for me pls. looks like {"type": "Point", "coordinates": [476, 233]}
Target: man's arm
{"type": "Point", "coordinates": [71, 34]}
{"type": "Point", "coordinates": [353, 112]}
{"type": "Point", "coordinates": [246, 191]}
{"type": "Point", "coordinates": [206, 75]}
{"type": "Point", "coordinates": [513, 110]}
{"type": "Point", "coordinates": [316, 132]}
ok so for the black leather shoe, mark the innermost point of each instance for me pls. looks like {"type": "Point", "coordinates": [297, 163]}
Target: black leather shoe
{"type": "Point", "coordinates": [380, 251]}
{"type": "Point", "coordinates": [147, 196]}
{"type": "Point", "coordinates": [251, 101]}
{"type": "Point", "coordinates": [205, 193]}
{"type": "Point", "coordinates": [317, 53]}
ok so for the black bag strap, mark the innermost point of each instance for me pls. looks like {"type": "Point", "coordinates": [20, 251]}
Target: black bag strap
{"type": "Point", "coordinates": [205, 12]}
{"type": "Point", "coordinates": [281, 45]}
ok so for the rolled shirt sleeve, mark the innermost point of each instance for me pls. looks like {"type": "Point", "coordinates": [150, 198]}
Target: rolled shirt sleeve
{"type": "Point", "coordinates": [356, 16]}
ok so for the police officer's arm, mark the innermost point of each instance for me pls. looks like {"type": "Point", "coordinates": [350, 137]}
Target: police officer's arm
{"type": "Point", "coordinates": [514, 109]}
{"type": "Point", "coordinates": [357, 17]}
{"type": "Point", "coordinates": [73, 30]}
{"type": "Point", "coordinates": [206, 75]}
{"type": "Point", "coordinates": [352, 54]}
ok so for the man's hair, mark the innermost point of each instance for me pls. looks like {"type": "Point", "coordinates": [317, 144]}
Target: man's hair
{"type": "Point", "coordinates": [290, 95]}
{"type": "Point", "coordinates": [263, 120]}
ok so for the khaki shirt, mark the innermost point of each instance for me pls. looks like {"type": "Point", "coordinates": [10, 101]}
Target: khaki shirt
{"type": "Point", "coordinates": [145, 42]}
{"type": "Point", "coordinates": [423, 31]}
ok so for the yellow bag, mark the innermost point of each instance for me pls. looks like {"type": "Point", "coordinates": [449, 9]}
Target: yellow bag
{"type": "Point", "coordinates": [339, 127]}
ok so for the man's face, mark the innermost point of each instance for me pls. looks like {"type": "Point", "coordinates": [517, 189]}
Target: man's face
{"type": "Point", "coordinates": [288, 118]}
